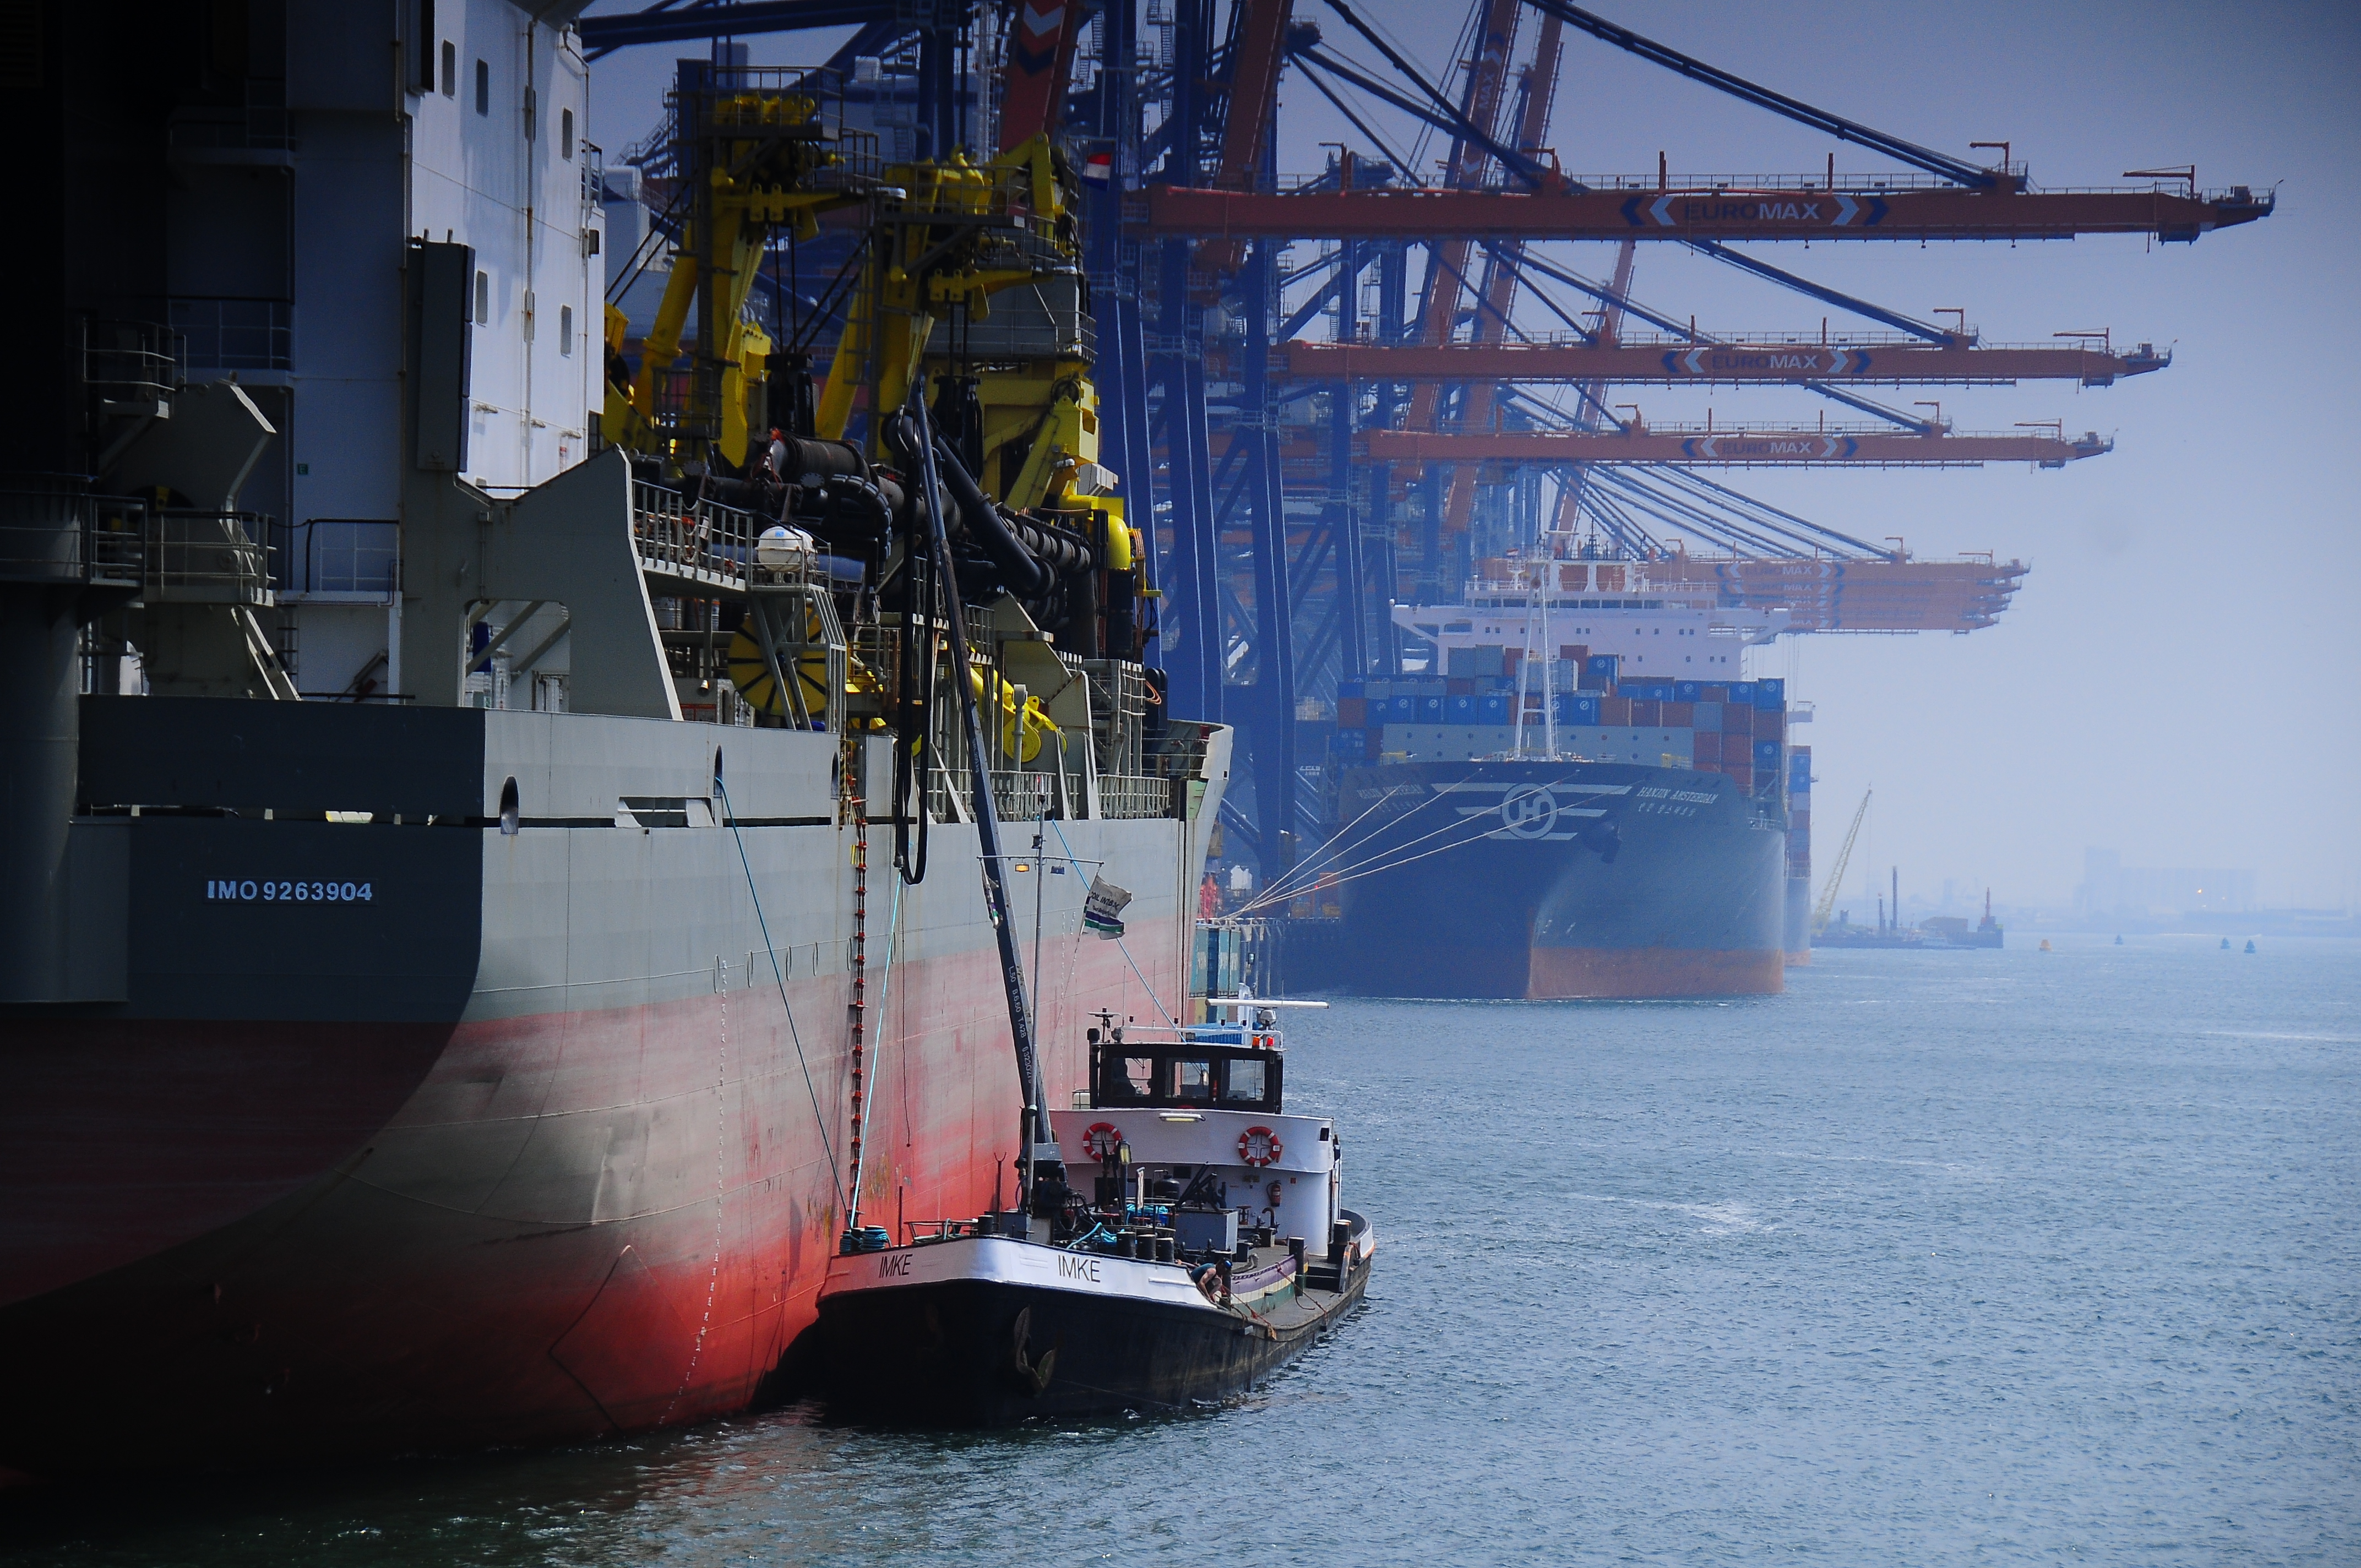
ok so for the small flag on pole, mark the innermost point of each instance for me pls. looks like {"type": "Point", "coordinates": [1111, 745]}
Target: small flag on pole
{"type": "Point", "coordinates": [1099, 168]}
{"type": "Point", "coordinates": [1103, 908]}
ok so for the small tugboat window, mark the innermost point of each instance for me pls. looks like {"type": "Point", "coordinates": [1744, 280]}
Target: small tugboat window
{"type": "Point", "coordinates": [1139, 1077]}
{"type": "Point", "coordinates": [1192, 1080]}
{"type": "Point", "coordinates": [483, 86]}
{"type": "Point", "coordinates": [1245, 1080]}
{"type": "Point", "coordinates": [450, 68]}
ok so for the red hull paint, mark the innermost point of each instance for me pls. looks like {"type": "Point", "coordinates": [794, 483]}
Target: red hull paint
{"type": "Point", "coordinates": [1639, 973]}
{"type": "Point", "coordinates": [576, 1224]}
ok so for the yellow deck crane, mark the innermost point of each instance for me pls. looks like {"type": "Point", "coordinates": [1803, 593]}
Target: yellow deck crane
{"type": "Point", "coordinates": [757, 154]}
{"type": "Point", "coordinates": [1821, 911]}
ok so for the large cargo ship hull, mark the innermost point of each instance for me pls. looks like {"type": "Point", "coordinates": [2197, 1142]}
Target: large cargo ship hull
{"type": "Point", "coordinates": [1558, 880]}
{"type": "Point", "coordinates": [525, 1144]}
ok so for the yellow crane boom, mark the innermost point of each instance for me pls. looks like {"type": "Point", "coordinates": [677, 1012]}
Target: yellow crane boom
{"type": "Point", "coordinates": [1836, 872]}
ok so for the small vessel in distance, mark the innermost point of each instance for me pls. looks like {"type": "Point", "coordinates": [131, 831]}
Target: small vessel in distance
{"type": "Point", "coordinates": [1210, 1249]}
{"type": "Point", "coordinates": [1936, 933]}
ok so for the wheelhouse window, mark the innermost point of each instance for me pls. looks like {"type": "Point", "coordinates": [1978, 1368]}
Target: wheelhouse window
{"type": "Point", "coordinates": [1234, 1078]}
{"type": "Point", "coordinates": [483, 86]}
{"type": "Point", "coordinates": [1192, 1081]}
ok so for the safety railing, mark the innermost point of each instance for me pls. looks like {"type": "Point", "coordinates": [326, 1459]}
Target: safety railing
{"type": "Point", "coordinates": [1124, 796]}
{"type": "Point", "coordinates": [700, 542]}
{"type": "Point", "coordinates": [59, 538]}
{"type": "Point", "coordinates": [196, 556]}
{"type": "Point", "coordinates": [130, 367]}
{"type": "Point", "coordinates": [235, 334]}
{"type": "Point", "coordinates": [350, 555]}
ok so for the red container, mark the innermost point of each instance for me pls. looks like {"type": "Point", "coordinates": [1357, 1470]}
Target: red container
{"type": "Point", "coordinates": [1645, 714]}
{"type": "Point", "coordinates": [1736, 720]}
{"type": "Point", "coordinates": [1615, 712]}
{"type": "Point", "coordinates": [1679, 715]}
{"type": "Point", "coordinates": [1740, 775]}
{"type": "Point", "coordinates": [1708, 749]}
{"type": "Point", "coordinates": [1714, 694]}
{"type": "Point", "coordinates": [1769, 726]}
{"type": "Point", "coordinates": [1352, 712]}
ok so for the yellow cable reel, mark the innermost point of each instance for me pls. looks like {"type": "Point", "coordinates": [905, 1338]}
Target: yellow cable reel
{"type": "Point", "coordinates": [750, 673]}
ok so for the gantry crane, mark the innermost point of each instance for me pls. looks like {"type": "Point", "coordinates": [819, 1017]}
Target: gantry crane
{"type": "Point", "coordinates": [1828, 902]}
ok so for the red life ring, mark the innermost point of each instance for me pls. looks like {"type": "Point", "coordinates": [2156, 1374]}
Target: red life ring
{"type": "Point", "coordinates": [1101, 1141]}
{"type": "Point", "coordinates": [1258, 1146]}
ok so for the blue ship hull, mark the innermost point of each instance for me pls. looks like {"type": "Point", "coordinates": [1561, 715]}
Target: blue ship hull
{"type": "Point", "coordinates": [1558, 880]}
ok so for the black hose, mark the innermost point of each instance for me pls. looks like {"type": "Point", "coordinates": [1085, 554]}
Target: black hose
{"type": "Point", "coordinates": [1019, 569]}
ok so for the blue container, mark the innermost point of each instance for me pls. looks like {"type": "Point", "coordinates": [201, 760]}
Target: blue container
{"type": "Point", "coordinates": [1350, 742]}
{"type": "Point", "coordinates": [1430, 709]}
{"type": "Point", "coordinates": [1401, 709]}
{"type": "Point", "coordinates": [1742, 693]}
{"type": "Point", "coordinates": [1766, 753]}
{"type": "Point", "coordinates": [1578, 707]}
{"type": "Point", "coordinates": [1600, 665]}
{"type": "Point", "coordinates": [1459, 709]}
{"type": "Point", "coordinates": [1492, 707]}
{"type": "Point", "coordinates": [1705, 715]}
{"type": "Point", "coordinates": [1348, 690]}
{"type": "Point", "coordinates": [1687, 691]}
{"type": "Point", "coordinates": [1772, 692]}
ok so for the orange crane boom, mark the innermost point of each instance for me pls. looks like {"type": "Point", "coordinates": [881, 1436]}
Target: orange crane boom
{"type": "Point", "coordinates": [1729, 449]}
{"type": "Point", "coordinates": [1642, 212]}
{"type": "Point", "coordinates": [1675, 363]}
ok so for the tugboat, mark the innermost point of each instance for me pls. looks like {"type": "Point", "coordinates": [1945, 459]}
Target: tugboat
{"type": "Point", "coordinates": [1155, 1292]}
{"type": "Point", "coordinates": [1210, 1249]}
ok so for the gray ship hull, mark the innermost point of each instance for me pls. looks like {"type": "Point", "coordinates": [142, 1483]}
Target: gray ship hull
{"type": "Point", "coordinates": [496, 1136]}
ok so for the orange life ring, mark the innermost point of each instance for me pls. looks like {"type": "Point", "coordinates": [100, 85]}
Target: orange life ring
{"type": "Point", "coordinates": [1101, 1142]}
{"type": "Point", "coordinates": [1258, 1146]}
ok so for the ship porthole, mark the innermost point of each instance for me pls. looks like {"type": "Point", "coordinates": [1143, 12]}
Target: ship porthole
{"type": "Point", "coordinates": [508, 807]}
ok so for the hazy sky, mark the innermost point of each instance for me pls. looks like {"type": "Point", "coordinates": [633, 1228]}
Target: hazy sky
{"type": "Point", "coordinates": [2178, 680]}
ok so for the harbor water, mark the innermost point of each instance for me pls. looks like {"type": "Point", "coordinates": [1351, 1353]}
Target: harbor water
{"type": "Point", "coordinates": [1937, 1257]}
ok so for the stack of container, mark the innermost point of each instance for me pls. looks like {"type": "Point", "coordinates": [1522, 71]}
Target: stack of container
{"type": "Point", "coordinates": [1735, 728]}
{"type": "Point", "coordinates": [1799, 812]}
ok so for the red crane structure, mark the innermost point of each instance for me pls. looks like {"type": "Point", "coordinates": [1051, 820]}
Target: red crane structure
{"type": "Point", "coordinates": [1733, 447]}
{"type": "Point", "coordinates": [1722, 362]}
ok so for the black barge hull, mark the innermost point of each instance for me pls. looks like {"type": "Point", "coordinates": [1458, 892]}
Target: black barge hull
{"type": "Point", "coordinates": [962, 1353]}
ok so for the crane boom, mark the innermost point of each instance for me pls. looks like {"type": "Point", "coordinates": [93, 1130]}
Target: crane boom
{"type": "Point", "coordinates": [1836, 872]}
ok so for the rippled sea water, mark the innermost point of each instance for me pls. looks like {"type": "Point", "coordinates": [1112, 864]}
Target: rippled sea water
{"type": "Point", "coordinates": [1962, 1257]}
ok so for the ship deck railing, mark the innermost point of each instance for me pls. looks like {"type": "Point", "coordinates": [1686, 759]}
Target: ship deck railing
{"type": "Point", "coordinates": [198, 557]}
{"type": "Point", "coordinates": [59, 538]}
{"type": "Point", "coordinates": [695, 549]}
{"type": "Point", "coordinates": [1029, 794]}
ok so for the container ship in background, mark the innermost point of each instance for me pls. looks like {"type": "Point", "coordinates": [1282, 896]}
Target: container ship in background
{"type": "Point", "coordinates": [1591, 801]}
{"type": "Point", "coordinates": [417, 1028]}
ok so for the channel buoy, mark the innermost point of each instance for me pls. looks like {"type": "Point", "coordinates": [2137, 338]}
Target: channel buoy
{"type": "Point", "coordinates": [2225, 944]}
{"type": "Point", "coordinates": [2250, 944]}
{"type": "Point", "coordinates": [2119, 941]}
